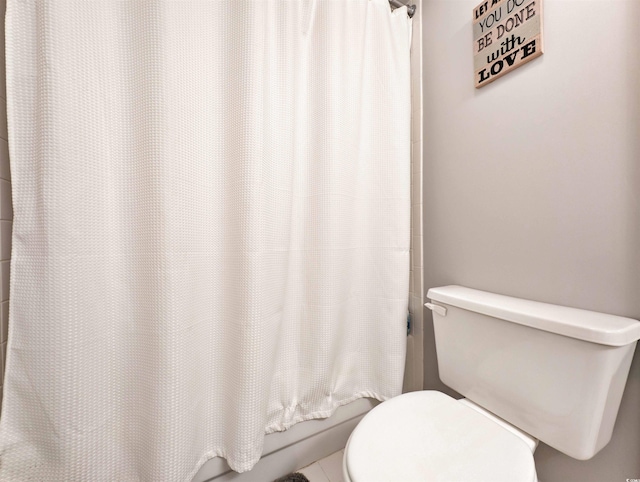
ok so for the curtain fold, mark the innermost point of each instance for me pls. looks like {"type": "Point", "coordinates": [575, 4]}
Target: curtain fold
{"type": "Point", "coordinates": [211, 227]}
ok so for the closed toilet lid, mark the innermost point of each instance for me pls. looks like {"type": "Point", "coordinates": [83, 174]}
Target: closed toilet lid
{"type": "Point", "coordinates": [429, 436]}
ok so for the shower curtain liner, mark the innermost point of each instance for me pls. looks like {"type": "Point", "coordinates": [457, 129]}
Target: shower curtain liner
{"type": "Point", "coordinates": [211, 237]}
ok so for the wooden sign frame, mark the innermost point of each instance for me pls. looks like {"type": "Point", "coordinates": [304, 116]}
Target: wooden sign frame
{"type": "Point", "coordinates": [506, 35]}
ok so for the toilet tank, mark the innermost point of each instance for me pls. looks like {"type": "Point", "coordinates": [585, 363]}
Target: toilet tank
{"type": "Point", "coordinates": [555, 372]}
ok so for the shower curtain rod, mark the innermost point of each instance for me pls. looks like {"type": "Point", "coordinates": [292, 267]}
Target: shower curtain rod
{"type": "Point", "coordinates": [411, 9]}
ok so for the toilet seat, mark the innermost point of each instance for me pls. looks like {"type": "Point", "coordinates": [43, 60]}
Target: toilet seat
{"type": "Point", "coordinates": [429, 436]}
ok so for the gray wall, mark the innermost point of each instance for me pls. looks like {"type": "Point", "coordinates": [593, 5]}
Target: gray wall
{"type": "Point", "coordinates": [532, 183]}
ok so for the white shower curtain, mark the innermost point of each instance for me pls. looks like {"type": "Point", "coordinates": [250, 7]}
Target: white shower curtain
{"type": "Point", "coordinates": [211, 236]}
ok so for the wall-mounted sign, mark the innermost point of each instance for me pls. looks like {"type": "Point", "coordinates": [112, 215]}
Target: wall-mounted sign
{"type": "Point", "coordinates": [506, 35]}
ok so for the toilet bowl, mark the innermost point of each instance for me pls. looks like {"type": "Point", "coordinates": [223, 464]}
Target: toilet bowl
{"type": "Point", "coordinates": [525, 367]}
{"type": "Point", "coordinates": [429, 436]}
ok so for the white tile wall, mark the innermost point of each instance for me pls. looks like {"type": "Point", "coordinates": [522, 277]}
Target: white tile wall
{"type": "Point", "coordinates": [6, 208]}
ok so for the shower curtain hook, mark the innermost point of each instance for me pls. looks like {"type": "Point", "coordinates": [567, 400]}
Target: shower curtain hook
{"type": "Point", "coordinates": [411, 9]}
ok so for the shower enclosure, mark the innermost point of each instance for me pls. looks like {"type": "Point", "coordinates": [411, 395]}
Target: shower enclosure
{"type": "Point", "coordinates": [212, 239]}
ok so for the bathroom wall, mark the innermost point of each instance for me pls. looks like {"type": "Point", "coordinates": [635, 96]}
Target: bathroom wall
{"type": "Point", "coordinates": [532, 183]}
{"type": "Point", "coordinates": [6, 212]}
{"type": "Point", "coordinates": [413, 373]}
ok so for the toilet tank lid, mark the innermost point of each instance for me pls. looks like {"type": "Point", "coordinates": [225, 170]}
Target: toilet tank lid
{"type": "Point", "coordinates": [584, 325]}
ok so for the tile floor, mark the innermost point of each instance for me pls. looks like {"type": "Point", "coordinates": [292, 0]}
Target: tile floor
{"type": "Point", "coordinates": [328, 469]}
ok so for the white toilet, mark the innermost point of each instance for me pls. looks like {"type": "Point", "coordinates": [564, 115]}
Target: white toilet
{"type": "Point", "coordinates": [529, 370]}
